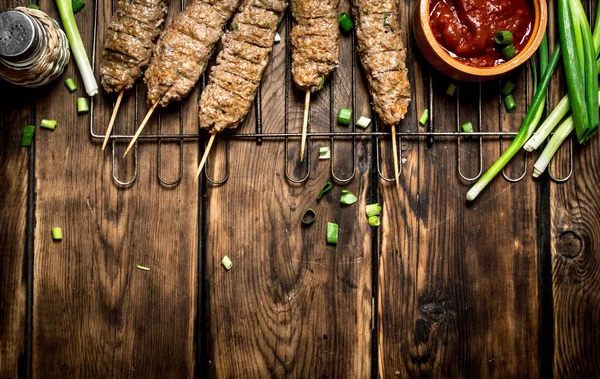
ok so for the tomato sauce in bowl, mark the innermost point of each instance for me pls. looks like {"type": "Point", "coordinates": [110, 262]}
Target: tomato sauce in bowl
{"type": "Point", "coordinates": [465, 28]}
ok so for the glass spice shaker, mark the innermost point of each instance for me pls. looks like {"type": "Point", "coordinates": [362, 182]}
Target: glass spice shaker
{"type": "Point", "coordinates": [33, 49]}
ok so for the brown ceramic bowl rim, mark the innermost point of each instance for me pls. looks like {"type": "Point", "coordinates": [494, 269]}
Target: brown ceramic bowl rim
{"type": "Point", "coordinates": [539, 26]}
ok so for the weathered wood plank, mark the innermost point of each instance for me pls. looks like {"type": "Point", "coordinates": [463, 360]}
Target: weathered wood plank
{"type": "Point", "coordinates": [95, 314]}
{"type": "Point", "coordinates": [457, 286]}
{"type": "Point", "coordinates": [15, 113]}
{"type": "Point", "coordinates": [291, 305]}
{"type": "Point", "coordinates": [575, 232]}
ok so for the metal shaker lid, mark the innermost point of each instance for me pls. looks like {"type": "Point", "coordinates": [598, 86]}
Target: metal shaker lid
{"type": "Point", "coordinates": [18, 35]}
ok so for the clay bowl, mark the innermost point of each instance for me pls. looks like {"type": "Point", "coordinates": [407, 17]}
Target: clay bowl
{"type": "Point", "coordinates": [439, 58]}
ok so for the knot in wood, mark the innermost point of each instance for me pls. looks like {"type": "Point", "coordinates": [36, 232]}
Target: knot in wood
{"type": "Point", "coordinates": [569, 244]}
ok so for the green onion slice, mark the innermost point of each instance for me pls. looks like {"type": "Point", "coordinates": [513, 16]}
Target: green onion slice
{"type": "Point", "coordinates": [451, 89]}
{"type": "Point", "coordinates": [57, 233]}
{"type": "Point", "coordinates": [27, 136]}
{"type": "Point", "coordinates": [309, 216]}
{"type": "Point", "coordinates": [348, 197]}
{"type": "Point", "coordinates": [48, 124]}
{"type": "Point", "coordinates": [510, 103]}
{"type": "Point", "coordinates": [363, 122]}
{"type": "Point", "coordinates": [77, 5]}
{"type": "Point", "coordinates": [321, 83]}
{"type": "Point", "coordinates": [332, 233]}
{"type": "Point", "coordinates": [71, 85]}
{"type": "Point", "coordinates": [344, 116]}
{"type": "Point", "coordinates": [386, 19]}
{"type": "Point", "coordinates": [508, 88]}
{"type": "Point", "coordinates": [509, 51]}
{"type": "Point", "coordinates": [33, 6]}
{"type": "Point", "coordinates": [467, 127]}
{"type": "Point", "coordinates": [143, 268]}
{"type": "Point", "coordinates": [324, 153]}
{"type": "Point", "coordinates": [83, 105]}
{"type": "Point", "coordinates": [227, 263]}
{"type": "Point", "coordinates": [374, 209]}
{"type": "Point", "coordinates": [346, 22]}
{"type": "Point", "coordinates": [503, 37]}
{"type": "Point", "coordinates": [326, 188]}
{"type": "Point", "coordinates": [424, 117]}
{"type": "Point", "coordinates": [374, 221]}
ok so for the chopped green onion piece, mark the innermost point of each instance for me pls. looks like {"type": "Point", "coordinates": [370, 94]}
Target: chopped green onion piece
{"type": "Point", "coordinates": [510, 103]}
{"type": "Point", "coordinates": [227, 263]}
{"type": "Point", "coordinates": [77, 5]}
{"type": "Point", "coordinates": [467, 127]}
{"type": "Point", "coordinates": [374, 221]}
{"type": "Point", "coordinates": [386, 19]}
{"type": "Point", "coordinates": [27, 136]}
{"type": "Point", "coordinates": [277, 37]}
{"type": "Point", "coordinates": [83, 105]}
{"type": "Point", "coordinates": [33, 6]}
{"type": "Point", "coordinates": [451, 89]}
{"type": "Point", "coordinates": [57, 233]}
{"type": "Point", "coordinates": [509, 51]}
{"type": "Point", "coordinates": [48, 124]}
{"type": "Point", "coordinates": [424, 117]}
{"type": "Point", "coordinates": [143, 268]}
{"type": "Point", "coordinates": [503, 37]}
{"type": "Point", "coordinates": [374, 209]}
{"type": "Point", "coordinates": [324, 153]}
{"type": "Point", "coordinates": [332, 233]}
{"type": "Point", "coordinates": [348, 197]}
{"type": "Point", "coordinates": [71, 84]}
{"type": "Point", "coordinates": [346, 22]}
{"type": "Point", "coordinates": [344, 116]}
{"type": "Point", "coordinates": [326, 188]}
{"type": "Point", "coordinates": [508, 88]}
{"type": "Point", "coordinates": [363, 122]}
{"type": "Point", "coordinates": [309, 216]}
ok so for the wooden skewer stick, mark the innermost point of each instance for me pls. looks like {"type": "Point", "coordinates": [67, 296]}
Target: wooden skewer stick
{"type": "Point", "coordinates": [205, 156]}
{"type": "Point", "coordinates": [305, 124]}
{"type": "Point", "coordinates": [113, 116]}
{"type": "Point", "coordinates": [140, 128]}
{"type": "Point", "coordinates": [395, 153]}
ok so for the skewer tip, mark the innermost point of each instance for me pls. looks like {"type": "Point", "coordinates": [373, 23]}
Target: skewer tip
{"type": "Point", "coordinates": [205, 156]}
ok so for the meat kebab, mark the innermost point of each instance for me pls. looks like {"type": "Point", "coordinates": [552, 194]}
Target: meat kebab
{"type": "Point", "coordinates": [128, 46]}
{"type": "Point", "coordinates": [383, 58]}
{"type": "Point", "coordinates": [315, 48]}
{"type": "Point", "coordinates": [183, 51]}
{"type": "Point", "coordinates": [234, 80]}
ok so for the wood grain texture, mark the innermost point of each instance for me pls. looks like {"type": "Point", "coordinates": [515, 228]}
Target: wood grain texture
{"type": "Point", "coordinates": [291, 305]}
{"type": "Point", "coordinates": [95, 314]}
{"type": "Point", "coordinates": [457, 281]}
{"type": "Point", "coordinates": [575, 232]}
{"type": "Point", "coordinates": [15, 113]}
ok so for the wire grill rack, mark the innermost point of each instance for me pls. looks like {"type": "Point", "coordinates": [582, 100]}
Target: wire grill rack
{"type": "Point", "coordinates": [428, 135]}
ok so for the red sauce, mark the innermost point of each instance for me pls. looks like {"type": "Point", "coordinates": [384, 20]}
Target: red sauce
{"type": "Point", "coordinates": [465, 28]}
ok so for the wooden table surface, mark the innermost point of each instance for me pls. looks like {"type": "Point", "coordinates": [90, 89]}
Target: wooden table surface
{"type": "Point", "coordinates": [508, 286]}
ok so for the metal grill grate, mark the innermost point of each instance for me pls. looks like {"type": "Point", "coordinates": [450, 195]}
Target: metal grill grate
{"type": "Point", "coordinates": [258, 136]}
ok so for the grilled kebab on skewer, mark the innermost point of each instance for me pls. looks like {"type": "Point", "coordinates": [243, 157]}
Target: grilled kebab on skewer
{"type": "Point", "coordinates": [128, 46]}
{"type": "Point", "coordinates": [315, 48]}
{"type": "Point", "coordinates": [234, 80]}
{"type": "Point", "coordinates": [383, 58]}
{"type": "Point", "coordinates": [183, 51]}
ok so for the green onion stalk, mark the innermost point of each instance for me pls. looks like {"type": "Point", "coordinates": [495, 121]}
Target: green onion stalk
{"type": "Point", "coordinates": [563, 131]}
{"type": "Point", "coordinates": [580, 71]}
{"type": "Point", "coordinates": [531, 121]}
{"type": "Point", "coordinates": [65, 8]}
{"type": "Point", "coordinates": [564, 106]}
